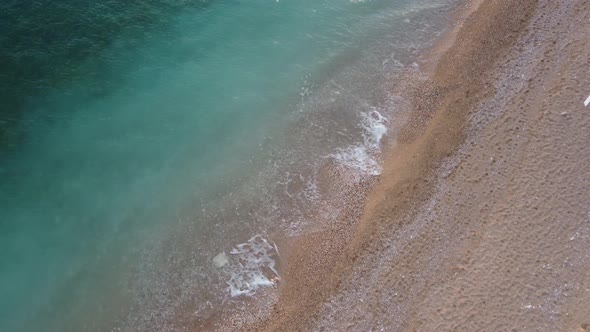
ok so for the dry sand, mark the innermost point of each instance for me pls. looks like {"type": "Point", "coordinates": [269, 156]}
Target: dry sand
{"type": "Point", "coordinates": [481, 217]}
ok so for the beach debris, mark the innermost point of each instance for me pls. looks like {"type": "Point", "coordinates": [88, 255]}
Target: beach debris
{"type": "Point", "coordinates": [587, 101]}
{"type": "Point", "coordinates": [276, 249]}
{"type": "Point", "coordinates": [220, 260]}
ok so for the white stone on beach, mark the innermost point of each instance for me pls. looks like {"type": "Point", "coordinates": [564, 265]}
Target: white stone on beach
{"type": "Point", "coordinates": [220, 260]}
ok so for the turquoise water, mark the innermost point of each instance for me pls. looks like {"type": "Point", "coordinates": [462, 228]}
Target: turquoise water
{"type": "Point", "coordinates": [125, 124]}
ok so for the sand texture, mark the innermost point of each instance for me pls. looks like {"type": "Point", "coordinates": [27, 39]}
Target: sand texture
{"type": "Point", "coordinates": [481, 217]}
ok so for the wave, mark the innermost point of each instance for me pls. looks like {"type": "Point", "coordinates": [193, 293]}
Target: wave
{"type": "Point", "coordinates": [363, 157]}
{"type": "Point", "coordinates": [251, 265]}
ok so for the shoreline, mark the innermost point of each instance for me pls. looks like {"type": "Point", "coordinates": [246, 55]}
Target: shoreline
{"type": "Point", "coordinates": [328, 271]}
{"type": "Point", "coordinates": [199, 182]}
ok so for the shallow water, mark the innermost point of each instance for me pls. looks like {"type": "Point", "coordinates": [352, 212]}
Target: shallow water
{"type": "Point", "coordinates": [141, 140]}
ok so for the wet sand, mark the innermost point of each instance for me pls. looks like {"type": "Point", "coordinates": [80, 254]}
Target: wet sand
{"type": "Point", "coordinates": [480, 220]}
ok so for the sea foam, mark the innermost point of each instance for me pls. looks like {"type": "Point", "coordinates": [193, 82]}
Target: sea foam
{"type": "Point", "coordinates": [252, 266]}
{"type": "Point", "coordinates": [363, 157]}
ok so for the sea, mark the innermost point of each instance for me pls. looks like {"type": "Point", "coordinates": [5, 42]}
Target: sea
{"type": "Point", "coordinates": [153, 152]}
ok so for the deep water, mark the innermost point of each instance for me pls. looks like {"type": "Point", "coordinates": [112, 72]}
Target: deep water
{"type": "Point", "coordinates": [123, 122]}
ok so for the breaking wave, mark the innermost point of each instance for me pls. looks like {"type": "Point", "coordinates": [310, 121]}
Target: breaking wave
{"type": "Point", "coordinates": [363, 157]}
{"type": "Point", "coordinates": [251, 265]}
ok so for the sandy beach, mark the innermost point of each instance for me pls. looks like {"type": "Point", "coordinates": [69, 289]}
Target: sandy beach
{"type": "Point", "coordinates": [480, 220]}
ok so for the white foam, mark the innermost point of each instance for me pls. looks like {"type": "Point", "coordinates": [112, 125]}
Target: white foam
{"type": "Point", "coordinates": [252, 266]}
{"type": "Point", "coordinates": [357, 158]}
{"type": "Point", "coordinates": [374, 128]}
{"type": "Point", "coordinates": [363, 157]}
{"type": "Point", "coordinates": [311, 191]}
